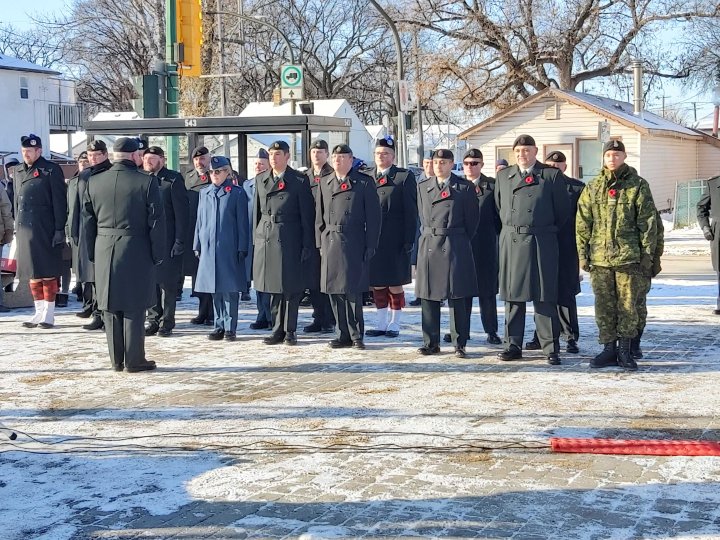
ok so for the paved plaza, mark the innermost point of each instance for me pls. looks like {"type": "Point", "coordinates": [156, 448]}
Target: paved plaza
{"type": "Point", "coordinates": [241, 440]}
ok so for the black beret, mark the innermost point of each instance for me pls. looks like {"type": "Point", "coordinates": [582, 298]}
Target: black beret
{"type": "Point", "coordinates": [280, 145]}
{"type": "Point", "coordinates": [473, 153]}
{"type": "Point", "coordinates": [82, 155]}
{"type": "Point", "coordinates": [524, 140]}
{"type": "Point", "coordinates": [11, 163]}
{"type": "Point", "coordinates": [342, 149]}
{"type": "Point", "coordinates": [262, 154]}
{"type": "Point", "coordinates": [614, 145]}
{"type": "Point", "coordinates": [199, 151]}
{"type": "Point", "coordinates": [429, 154]}
{"type": "Point", "coordinates": [385, 142]}
{"type": "Point", "coordinates": [320, 144]}
{"type": "Point", "coordinates": [96, 146]}
{"type": "Point", "coordinates": [556, 157]}
{"type": "Point", "coordinates": [443, 153]}
{"type": "Point", "coordinates": [156, 150]}
{"type": "Point", "coordinates": [142, 143]}
{"type": "Point", "coordinates": [125, 144]}
{"type": "Point", "coordinates": [30, 141]}
{"type": "Point", "coordinates": [217, 162]}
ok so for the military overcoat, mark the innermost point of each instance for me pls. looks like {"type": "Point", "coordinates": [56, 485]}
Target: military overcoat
{"type": "Point", "coordinates": [283, 220]}
{"type": "Point", "coordinates": [569, 269]}
{"type": "Point", "coordinates": [449, 219]}
{"type": "Point", "coordinates": [176, 209]}
{"type": "Point", "coordinates": [126, 235]}
{"type": "Point", "coordinates": [532, 209]}
{"type": "Point", "coordinates": [77, 222]}
{"type": "Point", "coordinates": [221, 234]}
{"type": "Point", "coordinates": [347, 223]}
{"type": "Point", "coordinates": [313, 264]}
{"type": "Point", "coordinates": [485, 241]}
{"type": "Point", "coordinates": [40, 211]}
{"type": "Point", "coordinates": [397, 192]}
{"type": "Point", "coordinates": [195, 182]}
{"type": "Point", "coordinates": [708, 215]}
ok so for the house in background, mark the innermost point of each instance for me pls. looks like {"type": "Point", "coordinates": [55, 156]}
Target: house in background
{"type": "Point", "coordinates": [663, 152]}
{"type": "Point", "coordinates": [34, 99]}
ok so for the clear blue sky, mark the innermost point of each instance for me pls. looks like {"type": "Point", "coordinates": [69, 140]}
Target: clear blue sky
{"type": "Point", "coordinates": [19, 17]}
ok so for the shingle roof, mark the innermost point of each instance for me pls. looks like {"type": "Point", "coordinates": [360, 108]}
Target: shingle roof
{"type": "Point", "coordinates": [15, 64]}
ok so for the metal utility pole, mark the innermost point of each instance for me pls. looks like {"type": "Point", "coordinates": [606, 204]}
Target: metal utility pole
{"type": "Point", "coordinates": [172, 98]}
{"type": "Point", "coordinates": [401, 140]}
{"type": "Point", "coordinates": [421, 142]}
{"type": "Point", "coordinates": [223, 87]}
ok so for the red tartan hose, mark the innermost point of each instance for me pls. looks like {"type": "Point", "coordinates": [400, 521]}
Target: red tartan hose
{"type": "Point", "coordinates": [648, 447]}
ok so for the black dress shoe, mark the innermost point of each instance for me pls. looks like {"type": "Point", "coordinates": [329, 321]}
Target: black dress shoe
{"type": "Point", "coordinates": [511, 353]}
{"type": "Point", "coordinates": [290, 338]}
{"type": "Point", "coordinates": [274, 339]}
{"type": "Point", "coordinates": [533, 345]}
{"type": "Point", "coordinates": [415, 302]}
{"type": "Point", "coordinates": [29, 325]}
{"type": "Point", "coordinates": [178, 296]}
{"type": "Point", "coordinates": [447, 338]}
{"type": "Point", "coordinates": [216, 335]}
{"type": "Point", "coordinates": [230, 336]}
{"type": "Point", "coordinates": [151, 329]}
{"type": "Point", "coordinates": [716, 311]}
{"type": "Point", "coordinates": [427, 350]}
{"type": "Point", "coordinates": [96, 324]}
{"type": "Point", "coordinates": [339, 344]}
{"type": "Point", "coordinates": [375, 333]}
{"type": "Point", "coordinates": [572, 347]}
{"type": "Point", "coordinates": [85, 313]}
{"type": "Point", "coordinates": [553, 359]}
{"type": "Point", "coordinates": [262, 325]}
{"type": "Point", "coordinates": [4, 309]}
{"type": "Point", "coordinates": [165, 332]}
{"type": "Point", "coordinates": [327, 330]}
{"type": "Point", "coordinates": [392, 333]}
{"type": "Point", "coordinates": [245, 297]}
{"type": "Point", "coordinates": [118, 368]}
{"type": "Point", "coordinates": [493, 339]}
{"type": "Point", "coordinates": [148, 365]}
{"type": "Point", "coordinates": [45, 326]}
{"type": "Point", "coordinates": [197, 320]}
{"type": "Point", "coordinates": [358, 344]}
{"type": "Point", "coordinates": [460, 352]}
{"type": "Point", "coordinates": [305, 301]}
{"type": "Point", "coordinates": [209, 322]}
{"type": "Point", "coordinates": [313, 328]}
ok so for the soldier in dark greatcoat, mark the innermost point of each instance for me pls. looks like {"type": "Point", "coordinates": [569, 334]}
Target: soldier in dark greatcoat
{"type": "Point", "coordinates": [323, 319]}
{"type": "Point", "coordinates": [283, 215]}
{"type": "Point", "coordinates": [195, 181]}
{"type": "Point", "coordinates": [569, 264]}
{"type": "Point", "coordinates": [126, 232]}
{"type": "Point", "coordinates": [161, 316]}
{"type": "Point", "coordinates": [347, 231]}
{"type": "Point", "coordinates": [41, 213]}
{"type": "Point", "coordinates": [427, 165]}
{"type": "Point", "coordinates": [390, 267]}
{"type": "Point", "coordinates": [533, 205]}
{"type": "Point", "coordinates": [484, 245]}
{"type": "Point", "coordinates": [449, 216]}
{"type": "Point", "coordinates": [708, 216]}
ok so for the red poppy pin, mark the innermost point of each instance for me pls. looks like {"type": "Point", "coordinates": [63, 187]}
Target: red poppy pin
{"type": "Point", "coordinates": [612, 192]}
{"type": "Point", "coordinates": [228, 189]}
{"type": "Point", "coordinates": [382, 181]}
{"type": "Point", "coordinates": [203, 177]}
{"type": "Point", "coordinates": [281, 185]}
{"type": "Point", "coordinates": [36, 174]}
{"type": "Point", "coordinates": [477, 189]}
{"type": "Point", "coordinates": [444, 194]}
{"type": "Point", "coordinates": [317, 179]}
{"type": "Point", "coordinates": [529, 180]}
{"type": "Point", "coordinates": [344, 186]}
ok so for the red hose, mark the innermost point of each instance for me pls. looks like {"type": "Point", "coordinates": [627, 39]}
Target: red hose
{"type": "Point", "coordinates": [649, 447]}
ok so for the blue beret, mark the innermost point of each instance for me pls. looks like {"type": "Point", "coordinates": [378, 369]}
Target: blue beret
{"type": "Point", "coordinates": [501, 162]}
{"type": "Point", "coordinates": [262, 154]}
{"type": "Point", "coordinates": [280, 145]}
{"type": "Point", "coordinates": [216, 162]}
{"type": "Point", "coordinates": [443, 153]}
{"type": "Point", "coordinates": [126, 145]}
{"type": "Point", "coordinates": [30, 141]}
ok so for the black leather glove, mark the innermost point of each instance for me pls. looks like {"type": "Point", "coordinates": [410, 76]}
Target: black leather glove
{"type": "Point", "coordinates": [177, 249]}
{"type": "Point", "coordinates": [369, 253]}
{"type": "Point", "coordinates": [708, 234]}
{"type": "Point", "coordinates": [305, 254]}
{"type": "Point", "coordinates": [58, 238]}
{"type": "Point", "coordinates": [407, 248]}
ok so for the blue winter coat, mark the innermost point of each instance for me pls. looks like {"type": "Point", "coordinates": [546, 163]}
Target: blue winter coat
{"type": "Point", "coordinates": [221, 234]}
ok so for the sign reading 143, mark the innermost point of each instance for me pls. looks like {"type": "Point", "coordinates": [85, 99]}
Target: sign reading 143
{"type": "Point", "coordinates": [291, 76]}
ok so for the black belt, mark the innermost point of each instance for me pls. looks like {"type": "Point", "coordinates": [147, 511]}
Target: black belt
{"type": "Point", "coordinates": [441, 231]}
{"type": "Point", "coordinates": [280, 219]}
{"type": "Point", "coordinates": [108, 231]}
{"type": "Point", "coordinates": [341, 228]}
{"type": "Point", "coordinates": [525, 229]}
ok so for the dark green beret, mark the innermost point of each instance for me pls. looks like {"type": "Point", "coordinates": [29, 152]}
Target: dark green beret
{"type": "Point", "coordinates": [320, 144]}
{"type": "Point", "coordinates": [614, 145]}
{"type": "Point", "coordinates": [156, 150]}
{"type": "Point", "coordinates": [556, 157]}
{"type": "Point", "coordinates": [97, 146]}
{"type": "Point", "coordinates": [342, 149]}
{"type": "Point", "coordinates": [30, 141]}
{"type": "Point", "coordinates": [280, 145]}
{"type": "Point", "coordinates": [524, 140]}
{"type": "Point", "coordinates": [126, 145]}
{"type": "Point", "coordinates": [473, 153]}
{"type": "Point", "coordinates": [443, 153]}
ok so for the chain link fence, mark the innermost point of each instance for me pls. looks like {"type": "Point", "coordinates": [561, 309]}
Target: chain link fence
{"type": "Point", "coordinates": [687, 195]}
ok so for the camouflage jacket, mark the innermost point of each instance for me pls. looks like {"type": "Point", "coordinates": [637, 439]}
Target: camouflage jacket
{"type": "Point", "coordinates": [616, 220]}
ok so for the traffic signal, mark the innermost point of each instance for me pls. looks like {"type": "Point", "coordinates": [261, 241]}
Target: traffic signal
{"type": "Point", "coordinates": [147, 88]}
{"type": "Point", "coordinates": [188, 22]}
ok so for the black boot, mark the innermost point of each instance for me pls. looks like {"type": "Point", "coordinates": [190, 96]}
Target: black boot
{"type": "Point", "coordinates": [635, 349]}
{"type": "Point", "coordinates": [95, 324]}
{"type": "Point", "coordinates": [624, 356]}
{"type": "Point", "coordinates": [607, 358]}
{"type": "Point", "coordinates": [61, 300]}
{"type": "Point", "coordinates": [534, 344]}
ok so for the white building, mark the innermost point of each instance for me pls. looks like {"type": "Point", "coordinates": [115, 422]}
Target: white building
{"type": "Point", "coordinates": [34, 99]}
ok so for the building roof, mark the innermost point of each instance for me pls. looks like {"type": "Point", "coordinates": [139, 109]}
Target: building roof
{"type": "Point", "coordinates": [15, 64]}
{"type": "Point", "coordinates": [620, 111]}
{"type": "Point", "coordinates": [323, 107]}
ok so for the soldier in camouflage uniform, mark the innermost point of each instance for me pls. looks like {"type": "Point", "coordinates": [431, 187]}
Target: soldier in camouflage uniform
{"type": "Point", "coordinates": [616, 233]}
{"type": "Point", "coordinates": [635, 349]}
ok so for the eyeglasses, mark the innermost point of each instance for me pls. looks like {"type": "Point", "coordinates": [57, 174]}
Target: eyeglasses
{"type": "Point", "coordinates": [471, 163]}
{"type": "Point", "coordinates": [218, 171]}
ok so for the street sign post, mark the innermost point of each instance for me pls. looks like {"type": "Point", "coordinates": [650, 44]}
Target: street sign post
{"type": "Point", "coordinates": [604, 131]}
{"type": "Point", "coordinates": [291, 82]}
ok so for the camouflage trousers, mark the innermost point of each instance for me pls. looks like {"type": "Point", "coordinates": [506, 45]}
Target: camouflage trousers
{"type": "Point", "coordinates": [642, 303]}
{"type": "Point", "coordinates": [616, 295]}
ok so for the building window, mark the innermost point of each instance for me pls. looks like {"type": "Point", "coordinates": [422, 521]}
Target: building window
{"type": "Point", "coordinates": [506, 153]}
{"type": "Point", "coordinates": [24, 91]}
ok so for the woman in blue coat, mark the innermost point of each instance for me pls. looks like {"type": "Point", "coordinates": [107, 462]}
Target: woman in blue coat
{"type": "Point", "coordinates": [221, 234]}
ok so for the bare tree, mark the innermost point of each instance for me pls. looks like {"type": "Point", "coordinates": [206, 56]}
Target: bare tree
{"type": "Point", "coordinates": [41, 48]}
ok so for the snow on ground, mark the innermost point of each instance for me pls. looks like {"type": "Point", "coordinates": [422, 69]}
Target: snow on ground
{"type": "Point", "coordinates": [241, 440]}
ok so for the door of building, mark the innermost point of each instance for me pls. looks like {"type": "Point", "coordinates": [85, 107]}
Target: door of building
{"type": "Point", "coordinates": [589, 159]}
